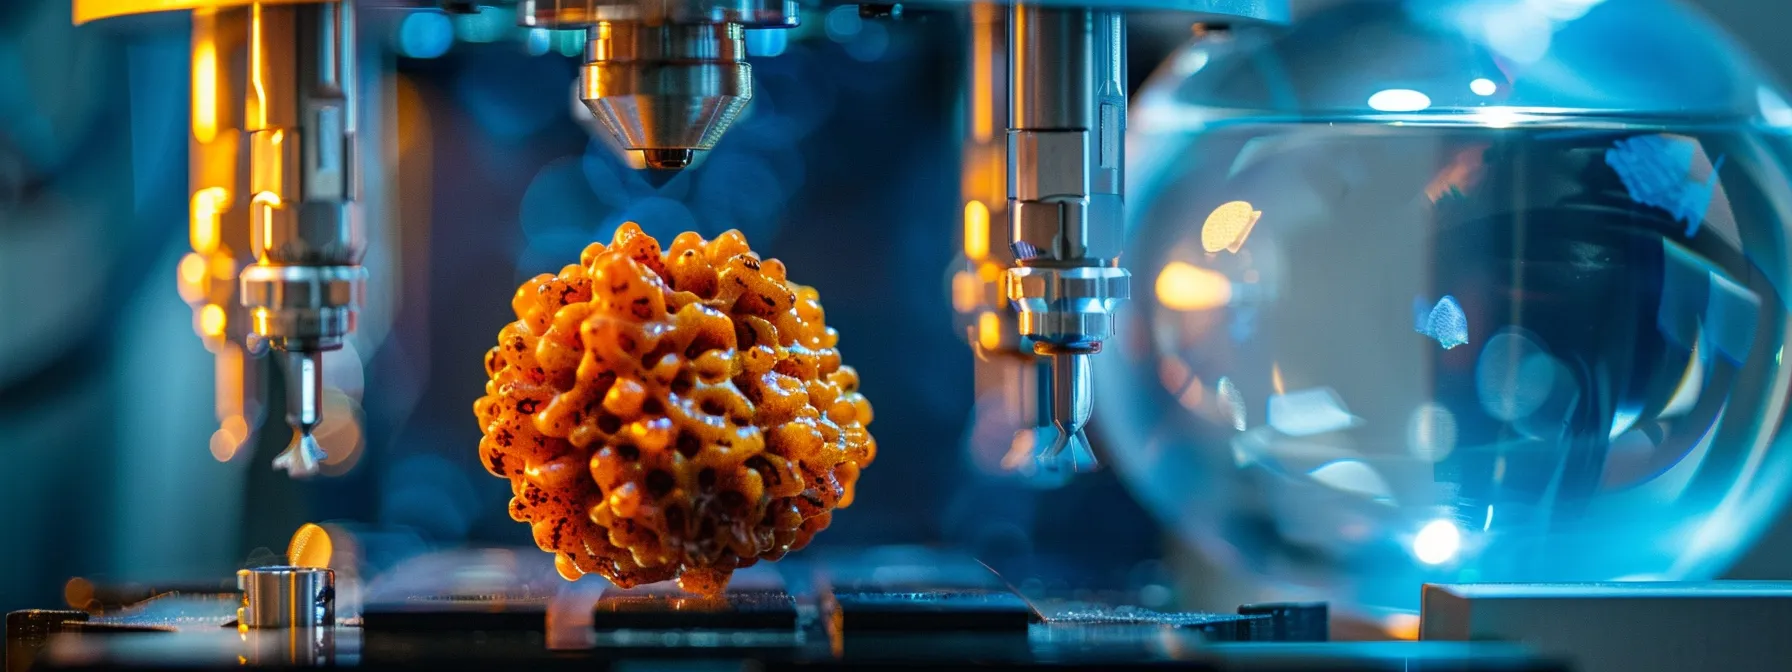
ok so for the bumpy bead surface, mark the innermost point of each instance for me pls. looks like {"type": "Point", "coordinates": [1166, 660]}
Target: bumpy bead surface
{"type": "Point", "coordinates": [671, 415]}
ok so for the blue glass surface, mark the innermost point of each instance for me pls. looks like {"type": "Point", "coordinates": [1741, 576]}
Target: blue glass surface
{"type": "Point", "coordinates": [1452, 291]}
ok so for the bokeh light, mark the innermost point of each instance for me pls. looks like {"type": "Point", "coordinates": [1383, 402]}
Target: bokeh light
{"type": "Point", "coordinates": [424, 34]}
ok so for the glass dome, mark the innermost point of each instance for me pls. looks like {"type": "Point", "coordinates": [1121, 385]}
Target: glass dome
{"type": "Point", "coordinates": [1450, 291]}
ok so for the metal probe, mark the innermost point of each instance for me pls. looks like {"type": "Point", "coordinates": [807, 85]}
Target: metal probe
{"type": "Point", "coordinates": [307, 282]}
{"type": "Point", "coordinates": [304, 411]}
{"type": "Point", "coordinates": [1066, 152]}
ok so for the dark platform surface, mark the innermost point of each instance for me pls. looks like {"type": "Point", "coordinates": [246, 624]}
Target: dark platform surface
{"type": "Point", "coordinates": [903, 608]}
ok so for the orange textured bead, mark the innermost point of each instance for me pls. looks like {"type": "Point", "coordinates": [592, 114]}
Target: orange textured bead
{"type": "Point", "coordinates": [671, 414]}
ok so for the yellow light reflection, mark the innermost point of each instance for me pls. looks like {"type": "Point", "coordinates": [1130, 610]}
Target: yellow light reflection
{"type": "Point", "coordinates": [1275, 378]}
{"type": "Point", "coordinates": [310, 547]}
{"type": "Point", "coordinates": [229, 438]}
{"type": "Point", "coordinates": [93, 10]}
{"type": "Point", "coordinates": [212, 319]}
{"type": "Point", "coordinates": [192, 273]}
{"type": "Point", "coordinates": [264, 204]}
{"type": "Point", "coordinates": [989, 271]}
{"type": "Point", "coordinates": [966, 291]}
{"type": "Point", "coordinates": [193, 268]}
{"type": "Point", "coordinates": [1403, 626]}
{"type": "Point", "coordinates": [1228, 226]}
{"type": "Point", "coordinates": [1186, 287]}
{"type": "Point", "coordinates": [976, 230]}
{"type": "Point", "coordinates": [989, 331]}
{"type": "Point", "coordinates": [207, 205]}
{"type": "Point", "coordinates": [205, 88]}
{"type": "Point", "coordinates": [257, 116]}
{"type": "Point", "coordinates": [982, 90]}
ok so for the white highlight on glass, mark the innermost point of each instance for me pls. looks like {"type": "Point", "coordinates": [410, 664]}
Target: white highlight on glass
{"type": "Point", "coordinates": [1438, 542]}
{"type": "Point", "coordinates": [1399, 100]}
{"type": "Point", "coordinates": [1483, 87]}
{"type": "Point", "coordinates": [1309, 412]}
{"type": "Point", "coordinates": [1353, 476]}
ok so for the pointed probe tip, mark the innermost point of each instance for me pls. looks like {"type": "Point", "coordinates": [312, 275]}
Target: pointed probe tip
{"type": "Point", "coordinates": [302, 456]}
{"type": "Point", "coordinates": [1068, 449]}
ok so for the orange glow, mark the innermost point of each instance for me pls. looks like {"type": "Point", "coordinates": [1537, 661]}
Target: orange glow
{"type": "Point", "coordinates": [989, 331]}
{"type": "Point", "coordinates": [206, 207]}
{"type": "Point", "coordinates": [1185, 287]}
{"type": "Point", "coordinates": [257, 118]}
{"type": "Point", "coordinates": [1403, 626]}
{"type": "Point", "coordinates": [230, 437]}
{"type": "Point", "coordinates": [193, 268]}
{"type": "Point", "coordinates": [222, 447]}
{"type": "Point", "coordinates": [976, 230]}
{"type": "Point", "coordinates": [264, 204]}
{"type": "Point", "coordinates": [1275, 379]}
{"type": "Point", "coordinates": [989, 271]}
{"type": "Point", "coordinates": [211, 320]}
{"type": "Point", "coordinates": [266, 162]}
{"type": "Point", "coordinates": [1460, 175]}
{"type": "Point", "coordinates": [94, 10]}
{"type": "Point", "coordinates": [1228, 226]}
{"type": "Point", "coordinates": [229, 382]}
{"type": "Point", "coordinates": [77, 593]}
{"type": "Point", "coordinates": [205, 82]}
{"type": "Point", "coordinates": [983, 86]}
{"type": "Point", "coordinates": [222, 267]}
{"type": "Point", "coordinates": [192, 277]}
{"type": "Point", "coordinates": [966, 291]}
{"type": "Point", "coordinates": [310, 547]}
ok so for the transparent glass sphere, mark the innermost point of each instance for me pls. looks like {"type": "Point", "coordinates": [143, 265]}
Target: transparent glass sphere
{"type": "Point", "coordinates": [1451, 291]}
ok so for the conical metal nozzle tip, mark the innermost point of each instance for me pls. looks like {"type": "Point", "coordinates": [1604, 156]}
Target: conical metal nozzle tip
{"type": "Point", "coordinates": [301, 457]}
{"type": "Point", "coordinates": [1069, 412]}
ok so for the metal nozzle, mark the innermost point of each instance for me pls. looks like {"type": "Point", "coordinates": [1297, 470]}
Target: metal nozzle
{"type": "Point", "coordinates": [667, 89]}
{"type": "Point", "coordinates": [1066, 159]}
{"type": "Point", "coordinates": [304, 411]}
{"type": "Point", "coordinates": [307, 283]}
{"type": "Point", "coordinates": [1070, 408]}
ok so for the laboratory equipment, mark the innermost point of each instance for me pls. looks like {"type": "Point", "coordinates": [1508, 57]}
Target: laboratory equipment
{"type": "Point", "coordinates": [1457, 292]}
{"type": "Point", "coordinates": [666, 79]}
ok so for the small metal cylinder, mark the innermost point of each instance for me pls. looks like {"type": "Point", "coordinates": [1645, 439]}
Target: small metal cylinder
{"type": "Point", "coordinates": [287, 597]}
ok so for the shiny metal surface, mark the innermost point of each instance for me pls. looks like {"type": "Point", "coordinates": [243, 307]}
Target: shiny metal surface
{"type": "Point", "coordinates": [306, 283]}
{"type": "Point", "coordinates": [583, 13]}
{"type": "Point", "coordinates": [1272, 11]}
{"type": "Point", "coordinates": [287, 597]}
{"type": "Point", "coordinates": [669, 89]}
{"type": "Point", "coordinates": [1067, 126]}
{"type": "Point", "coordinates": [304, 411]}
